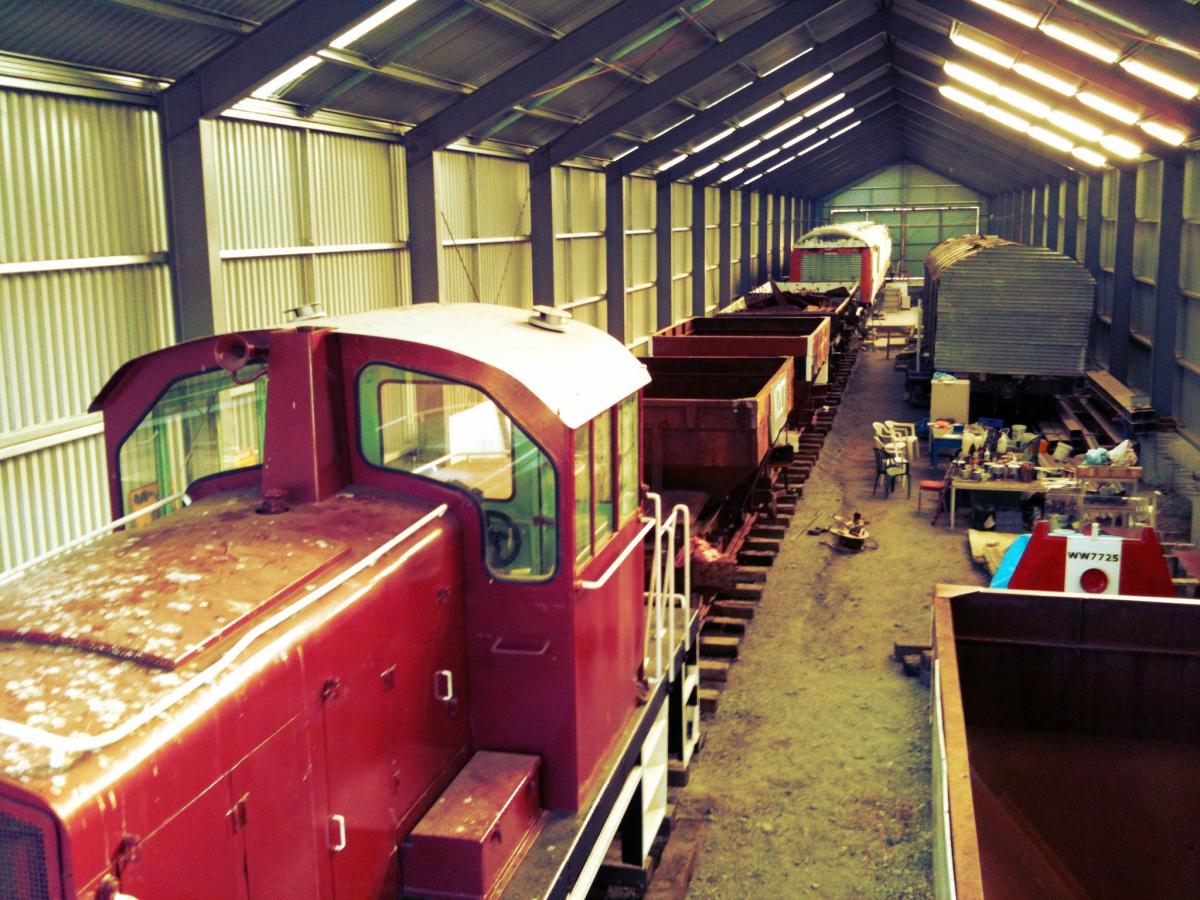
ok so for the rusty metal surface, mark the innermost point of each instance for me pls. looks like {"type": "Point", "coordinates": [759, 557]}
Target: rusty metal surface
{"type": "Point", "coordinates": [159, 596]}
{"type": "Point", "coordinates": [1077, 718]}
{"type": "Point", "coordinates": [709, 422]}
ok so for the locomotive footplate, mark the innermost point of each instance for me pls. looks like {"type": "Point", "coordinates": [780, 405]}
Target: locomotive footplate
{"type": "Point", "coordinates": [567, 852]}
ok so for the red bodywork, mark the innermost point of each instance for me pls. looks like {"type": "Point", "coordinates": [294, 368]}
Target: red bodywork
{"type": "Point", "coordinates": [297, 769]}
{"type": "Point", "coordinates": [867, 286]}
{"type": "Point", "coordinates": [1142, 568]}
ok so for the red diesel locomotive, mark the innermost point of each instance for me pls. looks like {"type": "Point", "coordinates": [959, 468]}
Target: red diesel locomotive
{"type": "Point", "coordinates": [375, 623]}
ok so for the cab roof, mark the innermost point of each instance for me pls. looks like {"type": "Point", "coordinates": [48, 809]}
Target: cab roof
{"type": "Point", "coordinates": [578, 372]}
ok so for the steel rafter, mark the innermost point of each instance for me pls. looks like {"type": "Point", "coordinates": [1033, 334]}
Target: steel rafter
{"type": "Point", "coordinates": [874, 65]}
{"type": "Point", "coordinates": [917, 88]}
{"type": "Point", "coordinates": [868, 101]}
{"type": "Point", "coordinates": [236, 72]}
{"type": "Point", "coordinates": [192, 15]}
{"type": "Point", "coordinates": [682, 78]}
{"type": "Point", "coordinates": [926, 71]}
{"type": "Point", "coordinates": [974, 144]}
{"type": "Point", "coordinates": [832, 157]}
{"type": "Point", "coordinates": [716, 118]}
{"type": "Point", "coordinates": [543, 68]}
{"type": "Point", "coordinates": [1110, 78]}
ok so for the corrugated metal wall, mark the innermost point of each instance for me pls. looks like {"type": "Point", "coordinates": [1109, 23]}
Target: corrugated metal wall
{"type": "Point", "coordinates": [1187, 397]}
{"type": "Point", "coordinates": [681, 252]}
{"type": "Point", "coordinates": [84, 285]}
{"type": "Point", "coordinates": [736, 225]}
{"type": "Point", "coordinates": [914, 232]}
{"type": "Point", "coordinates": [712, 248]}
{"type": "Point", "coordinates": [640, 260]}
{"type": "Point", "coordinates": [579, 274]}
{"type": "Point", "coordinates": [306, 217]}
{"type": "Point", "coordinates": [756, 276]}
{"type": "Point", "coordinates": [486, 251]}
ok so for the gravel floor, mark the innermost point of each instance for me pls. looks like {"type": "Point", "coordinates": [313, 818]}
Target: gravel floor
{"type": "Point", "coordinates": [815, 776]}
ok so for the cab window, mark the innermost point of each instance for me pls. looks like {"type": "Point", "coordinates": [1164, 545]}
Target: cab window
{"type": "Point", "coordinates": [456, 434]}
{"type": "Point", "coordinates": [606, 476]}
{"type": "Point", "coordinates": [202, 425]}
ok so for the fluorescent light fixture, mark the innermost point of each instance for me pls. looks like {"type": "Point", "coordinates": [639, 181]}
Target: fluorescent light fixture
{"type": "Point", "coordinates": [752, 180]}
{"type": "Point", "coordinates": [708, 142]}
{"type": "Point", "coordinates": [999, 57]}
{"type": "Point", "coordinates": [370, 23]}
{"type": "Point", "coordinates": [672, 162]}
{"type": "Point", "coordinates": [700, 173]}
{"type": "Point", "coordinates": [1050, 137]}
{"type": "Point", "coordinates": [842, 131]}
{"type": "Point", "coordinates": [971, 77]}
{"type": "Point", "coordinates": [836, 118]}
{"type": "Point", "coordinates": [950, 92]}
{"type": "Point", "coordinates": [1164, 133]}
{"type": "Point", "coordinates": [780, 164]}
{"type": "Point", "coordinates": [824, 104]}
{"type": "Point", "coordinates": [1089, 156]}
{"type": "Point", "coordinates": [286, 77]}
{"type": "Point", "coordinates": [1026, 17]}
{"type": "Point", "coordinates": [1106, 106]}
{"type": "Point", "coordinates": [730, 94]}
{"type": "Point", "coordinates": [1004, 117]}
{"type": "Point", "coordinates": [1158, 77]}
{"type": "Point", "coordinates": [758, 115]}
{"type": "Point", "coordinates": [798, 138]}
{"type": "Point", "coordinates": [1023, 102]}
{"type": "Point", "coordinates": [730, 175]}
{"type": "Point", "coordinates": [774, 69]}
{"type": "Point", "coordinates": [780, 129]}
{"type": "Point", "coordinates": [1118, 145]}
{"type": "Point", "coordinates": [740, 150]}
{"type": "Point", "coordinates": [812, 147]}
{"type": "Point", "coordinates": [758, 159]}
{"type": "Point", "coordinates": [1045, 79]}
{"type": "Point", "coordinates": [673, 127]}
{"type": "Point", "coordinates": [624, 153]}
{"type": "Point", "coordinates": [808, 87]}
{"type": "Point", "coordinates": [1084, 44]}
{"type": "Point", "coordinates": [1077, 127]}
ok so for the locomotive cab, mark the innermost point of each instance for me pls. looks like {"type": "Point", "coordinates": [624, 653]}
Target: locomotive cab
{"type": "Point", "coordinates": [355, 552]}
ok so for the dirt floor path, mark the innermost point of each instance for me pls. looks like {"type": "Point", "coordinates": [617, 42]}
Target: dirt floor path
{"type": "Point", "coordinates": [815, 776]}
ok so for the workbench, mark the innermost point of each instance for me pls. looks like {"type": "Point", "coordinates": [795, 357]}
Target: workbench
{"type": "Point", "coordinates": [999, 485]}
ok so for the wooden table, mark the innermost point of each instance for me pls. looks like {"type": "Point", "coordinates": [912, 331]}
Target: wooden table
{"type": "Point", "coordinates": [994, 484]}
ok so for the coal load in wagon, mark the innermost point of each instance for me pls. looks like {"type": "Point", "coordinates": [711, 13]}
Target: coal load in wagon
{"type": "Point", "coordinates": [993, 306]}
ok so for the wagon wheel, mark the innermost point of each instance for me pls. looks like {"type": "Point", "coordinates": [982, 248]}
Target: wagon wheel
{"type": "Point", "coordinates": [503, 538]}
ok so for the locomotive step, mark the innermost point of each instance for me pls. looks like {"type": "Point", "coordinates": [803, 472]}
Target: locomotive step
{"type": "Point", "coordinates": [761, 560]}
{"type": "Point", "coordinates": [709, 700]}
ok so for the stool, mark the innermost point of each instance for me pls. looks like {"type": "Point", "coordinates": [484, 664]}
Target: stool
{"type": "Point", "coordinates": [930, 485]}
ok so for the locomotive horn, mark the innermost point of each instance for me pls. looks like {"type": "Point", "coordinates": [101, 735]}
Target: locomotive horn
{"type": "Point", "coordinates": [234, 353]}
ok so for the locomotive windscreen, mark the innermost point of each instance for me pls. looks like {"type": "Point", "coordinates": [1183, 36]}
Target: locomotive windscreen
{"type": "Point", "coordinates": [23, 869]}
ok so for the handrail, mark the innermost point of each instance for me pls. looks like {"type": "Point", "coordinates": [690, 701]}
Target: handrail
{"type": "Point", "coordinates": [616, 564]}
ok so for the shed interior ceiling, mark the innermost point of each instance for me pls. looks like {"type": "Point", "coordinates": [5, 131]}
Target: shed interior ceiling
{"type": "Point", "coordinates": [997, 94]}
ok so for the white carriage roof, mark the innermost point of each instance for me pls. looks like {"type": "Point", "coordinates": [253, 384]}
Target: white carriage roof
{"type": "Point", "coordinates": [578, 372]}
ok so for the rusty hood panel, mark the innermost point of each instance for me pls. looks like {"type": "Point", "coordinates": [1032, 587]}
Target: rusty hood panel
{"type": "Point", "coordinates": [161, 595]}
